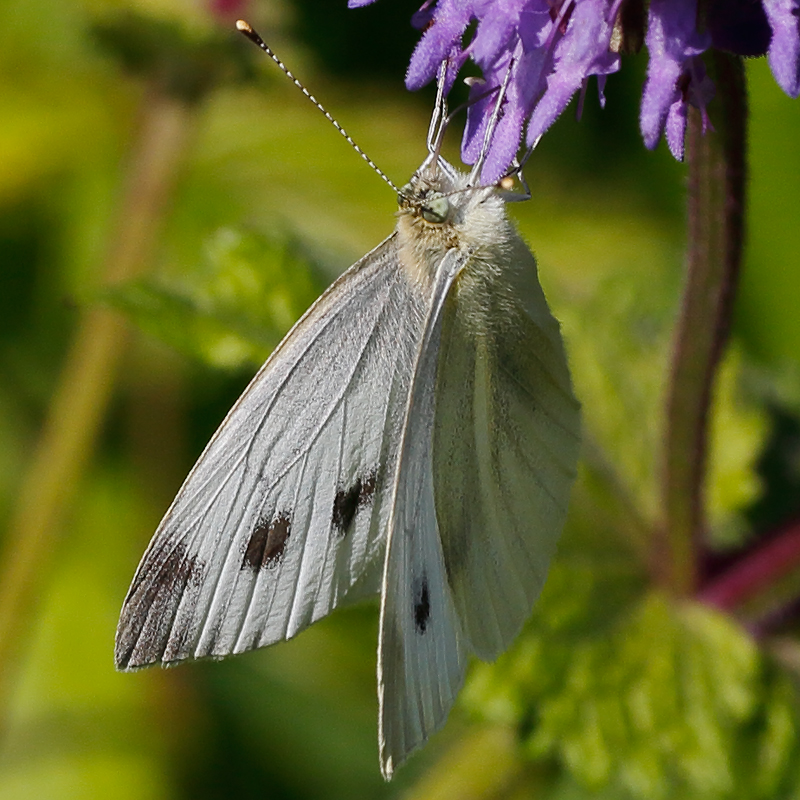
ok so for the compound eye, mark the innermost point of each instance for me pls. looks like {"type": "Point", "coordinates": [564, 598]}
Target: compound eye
{"type": "Point", "coordinates": [405, 193]}
{"type": "Point", "coordinates": [436, 210]}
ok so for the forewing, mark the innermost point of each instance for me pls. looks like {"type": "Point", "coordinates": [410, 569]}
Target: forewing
{"type": "Point", "coordinates": [506, 440]}
{"type": "Point", "coordinates": [283, 516]}
{"type": "Point", "coordinates": [421, 660]}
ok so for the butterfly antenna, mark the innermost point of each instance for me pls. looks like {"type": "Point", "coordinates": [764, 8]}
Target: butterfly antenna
{"type": "Point", "coordinates": [251, 34]}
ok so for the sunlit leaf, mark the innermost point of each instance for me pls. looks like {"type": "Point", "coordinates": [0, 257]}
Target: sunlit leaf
{"type": "Point", "coordinates": [235, 308]}
{"type": "Point", "coordinates": [675, 702]}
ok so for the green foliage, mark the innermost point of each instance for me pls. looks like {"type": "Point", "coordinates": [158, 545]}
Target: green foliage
{"type": "Point", "coordinates": [618, 319]}
{"type": "Point", "coordinates": [75, 728]}
{"type": "Point", "coordinates": [674, 701]}
{"type": "Point", "coordinates": [234, 307]}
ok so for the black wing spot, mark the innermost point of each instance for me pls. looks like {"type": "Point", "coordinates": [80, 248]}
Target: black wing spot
{"type": "Point", "coordinates": [348, 501]}
{"type": "Point", "coordinates": [267, 543]}
{"type": "Point", "coordinates": [422, 606]}
{"type": "Point", "coordinates": [345, 505]}
{"type": "Point", "coordinates": [367, 487]}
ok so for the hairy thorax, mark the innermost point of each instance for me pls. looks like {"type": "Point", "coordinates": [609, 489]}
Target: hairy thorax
{"type": "Point", "coordinates": [441, 213]}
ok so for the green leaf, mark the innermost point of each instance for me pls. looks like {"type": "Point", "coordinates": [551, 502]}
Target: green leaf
{"type": "Point", "coordinates": [235, 309]}
{"type": "Point", "coordinates": [676, 701]}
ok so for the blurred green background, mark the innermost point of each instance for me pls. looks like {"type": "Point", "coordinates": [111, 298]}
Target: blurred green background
{"type": "Point", "coordinates": [169, 204]}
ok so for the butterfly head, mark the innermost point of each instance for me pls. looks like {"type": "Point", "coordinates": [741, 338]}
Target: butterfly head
{"type": "Point", "coordinates": [434, 207]}
{"type": "Point", "coordinates": [440, 211]}
{"type": "Point", "coordinates": [427, 197]}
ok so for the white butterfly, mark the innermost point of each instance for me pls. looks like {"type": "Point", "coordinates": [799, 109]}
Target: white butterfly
{"type": "Point", "coordinates": [414, 435]}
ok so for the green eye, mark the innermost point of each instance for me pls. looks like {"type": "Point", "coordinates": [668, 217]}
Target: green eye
{"type": "Point", "coordinates": [406, 192]}
{"type": "Point", "coordinates": [436, 210]}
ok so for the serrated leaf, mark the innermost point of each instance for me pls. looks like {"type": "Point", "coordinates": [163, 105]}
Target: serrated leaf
{"type": "Point", "coordinates": [235, 308]}
{"type": "Point", "coordinates": [675, 702]}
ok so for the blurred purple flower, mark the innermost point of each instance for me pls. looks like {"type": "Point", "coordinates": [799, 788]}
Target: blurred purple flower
{"type": "Point", "coordinates": [557, 45]}
{"type": "Point", "coordinates": [228, 8]}
{"type": "Point", "coordinates": [675, 74]}
{"type": "Point", "coordinates": [784, 49]}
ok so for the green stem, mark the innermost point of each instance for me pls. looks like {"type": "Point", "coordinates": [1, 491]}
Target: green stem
{"type": "Point", "coordinates": [79, 403]}
{"type": "Point", "coordinates": [715, 232]}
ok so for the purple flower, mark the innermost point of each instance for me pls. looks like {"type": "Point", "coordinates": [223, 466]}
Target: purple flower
{"type": "Point", "coordinates": [553, 47]}
{"type": "Point", "coordinates": [675, 73]}
{"type": "Point", "coordinates": [784, 49]}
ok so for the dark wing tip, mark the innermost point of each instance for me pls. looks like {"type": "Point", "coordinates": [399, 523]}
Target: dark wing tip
{"type": "Point", "coordinates": [122, 656]}
{"type": "Point", "coordinates": [149, 632]}
{"type": "Point", "coordinates": [138, 643]}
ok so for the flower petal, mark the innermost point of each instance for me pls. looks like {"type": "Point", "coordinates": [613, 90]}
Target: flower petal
{"type": "Point", "coordinates": [672, 39]}
{"type": "Point", "coordinates": [440, 40]}
{"type": "Point", "coordinates": [584, 50]}
{"type": "Point", "coordinates": [784, 49]}
{"type": "Point", "coordinates": [675, 128]}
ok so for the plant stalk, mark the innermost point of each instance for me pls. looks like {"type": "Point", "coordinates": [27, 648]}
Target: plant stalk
{"type": "Point", "coordinates": [715, 204]}
{"type": "Point", "coordinates": [79, 403]}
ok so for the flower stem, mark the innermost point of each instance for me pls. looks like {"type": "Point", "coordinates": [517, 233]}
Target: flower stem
{"type": "Point", "coordinates": [757, 572]}
{"type": "Point", "coordinates": [715, 234]}
{"type": "Point", "coordinates": [78, 405]}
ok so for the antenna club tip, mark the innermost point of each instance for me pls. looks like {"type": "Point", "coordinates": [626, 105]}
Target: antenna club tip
{"type": "Point", "coordinates": [243, 26]}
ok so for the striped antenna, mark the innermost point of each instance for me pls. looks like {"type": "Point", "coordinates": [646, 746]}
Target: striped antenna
{"type": "Point", "coordinates": [248, 31]}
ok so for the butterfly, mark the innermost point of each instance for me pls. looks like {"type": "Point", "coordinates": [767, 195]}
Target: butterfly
{"type": "Point", "coordinates": [415, 435]}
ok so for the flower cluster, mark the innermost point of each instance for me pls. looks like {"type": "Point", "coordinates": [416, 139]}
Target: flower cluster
{"type": "Point", "coordinates": [554, 46]}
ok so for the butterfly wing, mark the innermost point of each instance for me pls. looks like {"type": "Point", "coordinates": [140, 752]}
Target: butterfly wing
{"type": "Point", "coordinates": [507, 435]}
{"type": "Point", "coordinates": [421, 658]}
{"type": "Point", "coordinates": [283, 516]}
